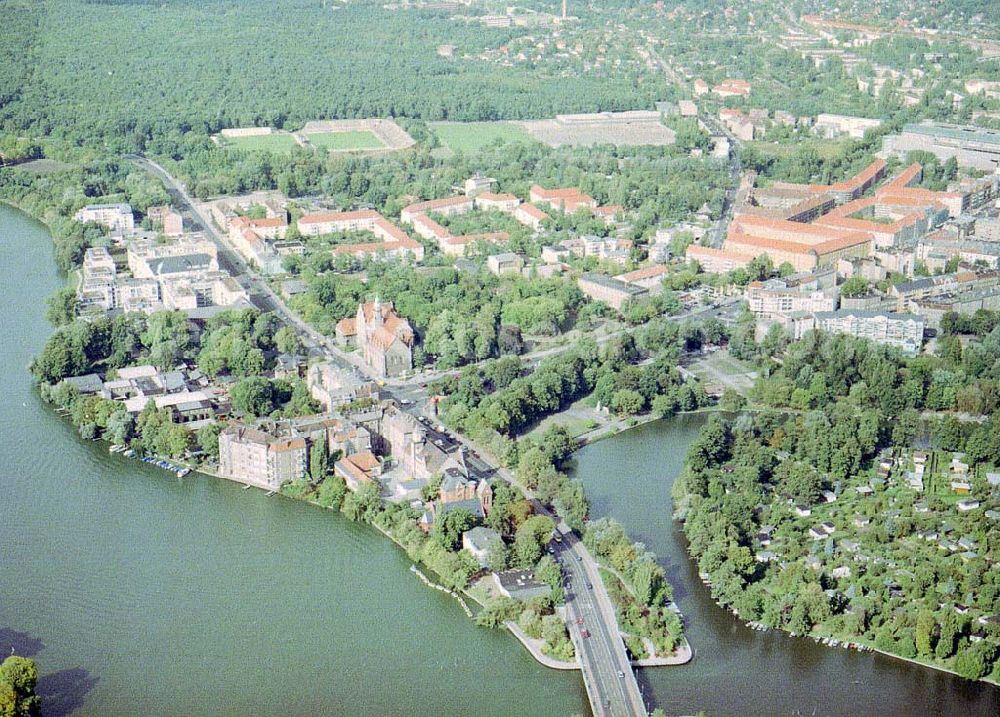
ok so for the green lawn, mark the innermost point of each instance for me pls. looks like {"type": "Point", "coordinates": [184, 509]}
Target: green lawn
{"type": "Point", "coordinates": [277, 142]}
{"type": "Point", "coordinates": [471, 137]}
{"type": "Point", "coordinates": [350, 140]}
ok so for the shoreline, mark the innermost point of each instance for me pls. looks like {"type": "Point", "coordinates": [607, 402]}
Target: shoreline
{"type": "Point", "coordinates": [869, 647]}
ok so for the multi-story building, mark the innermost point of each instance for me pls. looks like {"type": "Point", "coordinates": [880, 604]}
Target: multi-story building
{"type": "Point", "coordinates": [972, 146]}
{"type": "Point", "coordinates": [530, 216]}
{"type": "Point", "coordinates": [830, 125]}
{"type": "Point", "coordinates": [649, 278]}
{"type": "Point", "coordinates": [478, 184]}
{"type": "Point", "coordinates": [732, 88]}
{"type": "Point", "coordinates": [448, 206]}
{"type": "Point", "coordinates": [565, 200]}
{"type": "Point", "coordinates": [905, 331]}
{"type": "Point", "coordinates": [487, 201]}
{"type": "Point", "coordinates": [254, 456]}
{"type": "Point", "coordinates": [611, 291]}
{"type": "Point", "coordinates": [116, 217]}
{"type": "Point", "coordinates": [505, 263]}
{"type": "Point", "coordinates": [773, 298]}
{"type": "Point", "coordinates": [193, 255]}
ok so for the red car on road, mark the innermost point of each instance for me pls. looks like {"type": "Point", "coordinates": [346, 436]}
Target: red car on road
{"type": "Point", "coordinates": [584, 633]}
{"type": "Point", "coordinates": [579, 621]}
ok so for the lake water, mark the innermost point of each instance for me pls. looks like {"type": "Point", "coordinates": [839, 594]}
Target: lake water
{"type": "Point", "coordinates": [138, 593]}
{"type": "Point", "coordinates": [737, 671]}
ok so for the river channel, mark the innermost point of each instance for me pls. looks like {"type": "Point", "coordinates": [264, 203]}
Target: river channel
{"type": "Point", "coordinates": [737, 671]}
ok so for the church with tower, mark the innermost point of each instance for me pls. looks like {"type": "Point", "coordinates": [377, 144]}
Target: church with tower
{"type": "Point", "coordinates": [384, 338]}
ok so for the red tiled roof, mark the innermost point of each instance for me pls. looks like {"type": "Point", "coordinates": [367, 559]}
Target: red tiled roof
{"type": "Point", "coordinates": [433, 204]}
{"type": "Point", "coordinates": [324, 217]}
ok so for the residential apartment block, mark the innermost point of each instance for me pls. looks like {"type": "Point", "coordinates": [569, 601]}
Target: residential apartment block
{"type": "Point", "coordinates": [116, 217]}
{"type": "Point", "coordinates": [905, 331]}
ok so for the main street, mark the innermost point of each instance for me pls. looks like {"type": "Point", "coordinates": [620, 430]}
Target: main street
{"type": "Point", "coordinates": [262, 296]}
{"type": "Point", "coordinates": [611, 684]}
{"type": "Point", "coordinates": [717, 129]}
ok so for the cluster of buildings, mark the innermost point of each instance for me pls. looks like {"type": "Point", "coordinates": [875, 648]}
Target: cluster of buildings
{"type": "Point", "coordinates": [810, 300]}
{"type": "Point", "coordinates": [270, 453]}
{"type": "Point", "coordinates": [150, 274]}
{"type": "Point", "coordinates": [479, 196]}
{"type": "Point", "coordinates": [416, 215]}
{"type": "Point", "coordinates": [726, 88]}
{"type": "Point", "coordinates": [963, 292]}
{"type": "Point", "coordinates": [810, 226]}
{"type": "Point", "coordinates": [258, 239]}
{"type": "Point", "coordinates": [860, 228]}
{"type": "Point", "coordinates": [187, 394]}
{"type": "Point", "coordinates": [393, 242]}
{"type": "Point", "coordinates": [382, 445]}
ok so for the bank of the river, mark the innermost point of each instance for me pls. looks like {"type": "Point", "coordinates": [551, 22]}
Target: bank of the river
{"type": "Point", "coordinates": [138, 593]}
{"type": "Point", "coordinates": [736, 670]}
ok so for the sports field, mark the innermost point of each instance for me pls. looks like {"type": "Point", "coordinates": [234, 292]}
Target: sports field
{"type": "Point", "coordinates": [471, 137]}
{"type": "Point", "coordinates": [275, 142]}
{"type": "Point", "coordinates": [350, 140]}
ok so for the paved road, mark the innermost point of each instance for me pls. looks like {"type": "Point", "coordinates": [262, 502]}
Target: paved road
{"type": "Point", "coordinates": [262, 296]}
{"type": "Point", "coordinates": [607, 674]}
{"type": "Point", "coordinates": [611, 684]}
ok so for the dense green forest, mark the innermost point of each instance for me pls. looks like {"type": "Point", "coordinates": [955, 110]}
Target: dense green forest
{"type": "Point", "coordinates": [125, 72]}
{"type": "Point", "coordinates": [841, 418]}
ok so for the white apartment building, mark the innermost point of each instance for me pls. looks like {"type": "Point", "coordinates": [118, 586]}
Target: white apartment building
{"type": "Point", "coordinates": [113, 216]}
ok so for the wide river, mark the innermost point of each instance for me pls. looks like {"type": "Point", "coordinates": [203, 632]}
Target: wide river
{"type": "Point", "coordinates": [138, 593]}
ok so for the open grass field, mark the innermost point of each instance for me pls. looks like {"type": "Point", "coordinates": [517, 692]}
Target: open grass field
{"type": "Point", "coordinates": [349, 141]}
{"type": "Point", "coordinates": [470, 137]}
{"type": "Point", "coordinates": [275, 142]}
